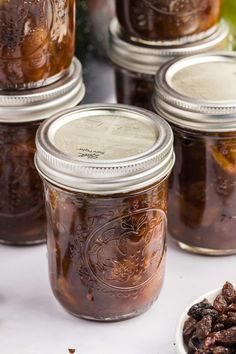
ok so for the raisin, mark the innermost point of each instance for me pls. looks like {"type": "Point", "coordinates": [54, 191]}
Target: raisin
{"type": "Point", "coordinates": [228, 292]}
{"type": "Point", "coordinates": [221, 350]}
{"type": "Point", "coordinates": [223, 318]}
{"type": "Point", "coordinates": [218, 327]}
{"type": "Point", "coordinates": [220, 304]}
{"type": "Point", "coordinates": [211, 312]}
{"type": "Point", "coordinates": [210, 341]}
{"type": "Point", "coordinates": [231, 308]}
{"type": "Point", "coordinates": [194, 344]}
{"type": "Point", "coordinates": [203, 327]}
{"type": "Point", "coordinates": [189, 327]}
{"type": "Point", "coordinates": [227, 336]}
{"type": "Point", "coordinates": [231, 320]}
{"type": "Point", "coordinates": [213, 328]}
{"type": "Point", "coordinates": [196, 311]}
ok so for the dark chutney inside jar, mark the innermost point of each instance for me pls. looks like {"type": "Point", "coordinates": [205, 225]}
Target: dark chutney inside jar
{"type": "Point", "coordinates": [22, 210]}
{"type": "Point", "coordinates": [106, 253]}
{"type": "Point", "coordinates": [167, 19]}
{"type": "Point", "coordinates": [134, 88]}
{"type": "Point", "coordinates": [37, 41]}
{"type": "Point", "coordinates": [202, 195]}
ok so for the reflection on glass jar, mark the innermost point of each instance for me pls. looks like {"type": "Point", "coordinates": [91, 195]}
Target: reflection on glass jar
{"type": "Point", "coordinates": [136, 64]}
{"type": "Point", "coordinates": [37, 41]}
{"type": "Point", "coordinates": [167, 19]}
{"type": "Point", "coordinates": [202, 198]}
{"type": "Point", "coordinates": [107, 210]}
{"type": "Point", "coordinates": [22, 209]}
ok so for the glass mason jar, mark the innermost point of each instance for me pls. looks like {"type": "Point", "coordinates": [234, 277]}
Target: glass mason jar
{"type": "Point", "coordinates": [168, 19]}
{"type": "Point", "coordinates": [136, 64]}
{"type": "Point", "coordinates": [37, 42]}
{"type": "Point", "coordinates": [22, 209]}
{"type": "Point", "coordinates": [105, 171]}
{"type": "Point", "coordinates": [197, 95]}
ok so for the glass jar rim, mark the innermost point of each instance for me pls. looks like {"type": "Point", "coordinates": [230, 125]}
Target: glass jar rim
{"type": "Point", "coordinates": [40, 103]}
{"type": "Point", "coordinates": [146, 57]}
{"type": "Point", "coordinates": [193, 113]}
{"type": "Point", "coordinates": [104, 176]}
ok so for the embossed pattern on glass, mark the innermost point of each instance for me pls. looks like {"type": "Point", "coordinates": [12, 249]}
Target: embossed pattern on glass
{"type": "Point", "coordinates": [134, 88]}
{"type": "Point", "coordinates": [22, 215]}
{"type": "Point", "coordinates": [167, 19]}
{"type": "Point", "coordinates": [106, 253]}
{"type": "Point", "coordinates": [36, 41]}
{"type": "Point", "coordinates": [202, 196]}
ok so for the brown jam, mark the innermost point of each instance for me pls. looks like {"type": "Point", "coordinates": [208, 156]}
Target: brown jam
{"type": "Point", "coordinates": [22, 215]}
{"type": "Point", "coordinates": [105, 169]}
{"type": "Point", "coordinates": [167, 19]}
{"type": "Point", "coordinates": [202, 196]}
{"type": "Point", "coordinates": [106, 253]}
{"type": "Point", "coordinates": [37, 41]}
{"type": "Point", "coordinates": [134, 88]}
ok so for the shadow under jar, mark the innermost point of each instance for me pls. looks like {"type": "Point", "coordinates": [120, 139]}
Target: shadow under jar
{"type": "Point", "coordinates": [22, 207]}
{"type": "Point", "coordinates": [136, 64]}
{"type": "Point", "coordinates": [158, 20]}
{"type": "Point", "coordinates": [197, 95]}
{"type": "Point", "coordinates": [37, 42]}
{"type": "Point", "coordinates": [105, 171]}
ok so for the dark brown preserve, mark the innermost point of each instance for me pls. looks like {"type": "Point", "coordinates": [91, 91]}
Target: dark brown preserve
{"type": "Point", "coordinates": [106, 253]}
{"type": "Point", "coordinates": [37, 41]}
{"type": "Point", "coordinates": [202, 195]}
{"type": "Point", "coordinates": [22, 215]}
{"type": "Point", "coordinates": [167, 19]}
{"type": "Point", "coordinates": [134, 88]}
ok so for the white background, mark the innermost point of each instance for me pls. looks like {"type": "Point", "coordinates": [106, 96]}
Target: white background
{"type": "Point", "coordinates": [32, 322]}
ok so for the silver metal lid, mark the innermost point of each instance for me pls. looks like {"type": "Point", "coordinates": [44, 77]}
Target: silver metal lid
{"type": "Point", "coordinates": [104, 149]}
{"type": "Point", "coordinates": [146, 59]}
{"type": "Point", "coordinates": [37, 104]}
{"type": "Point", "coordinates": [198, 92]}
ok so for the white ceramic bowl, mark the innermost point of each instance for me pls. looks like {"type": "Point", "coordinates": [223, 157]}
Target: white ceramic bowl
{"type": "Point", "coordinates": [180, 346]}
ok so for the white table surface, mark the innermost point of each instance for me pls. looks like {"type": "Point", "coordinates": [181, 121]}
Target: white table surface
{"type": "Point", "coordinates": [32, 322]}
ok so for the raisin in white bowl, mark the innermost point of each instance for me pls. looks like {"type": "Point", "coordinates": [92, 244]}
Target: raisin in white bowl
{"type": "Point", "coordinates": [210, 296]}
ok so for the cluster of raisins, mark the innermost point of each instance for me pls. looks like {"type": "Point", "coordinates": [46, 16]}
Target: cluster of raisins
{"type": "Point", "coordinates": [211, 329]}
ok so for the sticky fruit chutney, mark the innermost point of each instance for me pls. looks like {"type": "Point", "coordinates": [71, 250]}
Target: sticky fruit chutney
{"type": "Point", "coordinates": [106, 201]}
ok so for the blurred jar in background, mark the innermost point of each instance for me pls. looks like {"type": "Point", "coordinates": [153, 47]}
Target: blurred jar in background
{"type": "Point", "coordinates": [22, 210]}
{"type": "Point", "coordinates": [168, 19]}
{"type": "Point", "coordinates": [37, 42]}
{"type": "Point", "coordinates": [101, 13]}
{"type": "Point", "coordinates": [93, 19]}
{"type": "Point", "coordinates": [137, 63]}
